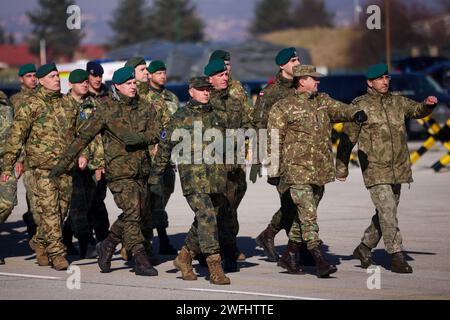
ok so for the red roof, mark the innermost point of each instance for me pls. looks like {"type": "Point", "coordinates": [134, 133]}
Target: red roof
{"type": "Point", "coordinates": [16, 55]}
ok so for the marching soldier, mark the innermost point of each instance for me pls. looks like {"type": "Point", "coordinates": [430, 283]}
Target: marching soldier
{"type": "Point", "coordinates": [384, 158]}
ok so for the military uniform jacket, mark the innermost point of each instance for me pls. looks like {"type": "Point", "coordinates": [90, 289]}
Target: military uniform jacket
{"type": "Point", "coordinates": [85, 110]}
{"type": "Point", "coordinates": [21, 97]}
{"type": "Point", "coordinates": [112, 121]}
{"type": "Point", "coordinates": [304, 125]}
{"type": "Point", "coordinates": [382, 148]}
{"type": "Point", "coordinates": [164, 102]}
{"type": "Point", "coordinates": [195, 178]}
{"type": "Point", "coordinates": [44, 127]}
{"type": "Point", "coordinates": [272, 93]}
{"type": "Point", "coordinates": [6, 120]}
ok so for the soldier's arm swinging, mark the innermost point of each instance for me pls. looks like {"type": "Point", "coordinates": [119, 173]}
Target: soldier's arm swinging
{"type": "Point", "coordinates": [347, 140]}
{"type": "Point", "coordinates": [417, 110]}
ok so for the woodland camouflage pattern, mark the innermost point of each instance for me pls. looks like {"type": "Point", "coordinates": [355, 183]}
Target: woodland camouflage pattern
{"type": "Point", "coordinates": [382, 148]}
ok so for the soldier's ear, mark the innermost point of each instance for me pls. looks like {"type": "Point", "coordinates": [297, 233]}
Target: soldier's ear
{"type": "Point", "coordinates": [369, 83]}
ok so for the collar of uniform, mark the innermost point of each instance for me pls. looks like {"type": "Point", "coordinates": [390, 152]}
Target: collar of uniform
{"type": "Point", "coordinates": [306, 94]}
{"type": "Point", "coordinates": [222, 93]}
{"type": "Point", "coordinates": [143, 87]}
{"type": "Point", "coordinates": [375, 93]}
{"type": "Point", "coordinates": [194, 104]}
{"type": "Point", "coordinates": [153, 89]}
{"type": "Point", "coordinates": [128, 101]}
{"type": "Point", "coordinates": [104, 90]}
{"type": "Point", "coordinates": [26, 90]}
{"type": "Point", "coordinates": [282, 81]}
{"type": "Point", "coordinates": [49, 94]}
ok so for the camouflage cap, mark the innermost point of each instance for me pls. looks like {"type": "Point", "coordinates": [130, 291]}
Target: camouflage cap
{"type": "Point", "coordinates": [285, 55]}
{"type": "Point", "coordinates": [303, 70]}
{"type": "Point", "coordinates": [199, 82]}
{"type": "Point", "coordinates": [135, 61]}
{"type": "Point", "coordinates": [156, 65]}
{"type": "Point", "coordinates": [214, 67]}
{"type": "Point", "coordinates": [376, 70]}
{"type": "Point", "coordinates": [26, 68]}
{"type": "Point", "coordinates": [45, 70]}
{"type": "Point", "coordinates": [220, 54]}
{"type": "Point", "coordinates": [122, 75]}
{"type": "Point", "coordinates": [78, 76]}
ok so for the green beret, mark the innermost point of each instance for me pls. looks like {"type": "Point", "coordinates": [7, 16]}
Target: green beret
{"type": "Point", "coordinates": [377, 70]}
{"type": "Point", "coordinates": [214, 67]}
{"type": "Point", "coordinates": [156, 65]}
{"type": "Point", "coordinates": [199, 82]}
{"type": "Point", "coordinates": [78, 76]}
{"type": "Point", "coordinates": [285, 55]}
{"type": "Point", "coordinates": [220, 54]}
{"type": "Point", "coordinates": [45, 70]}
{"type": "Point", "coordinates": [26, 68]}
{"type": "Point", "coordinates": [122, 75]}
{"type": "Point", "coordinates": [135, 61]}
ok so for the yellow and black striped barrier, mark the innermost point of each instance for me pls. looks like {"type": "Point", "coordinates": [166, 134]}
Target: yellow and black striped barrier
{"type": "Point", "coordinates": [444, 161]}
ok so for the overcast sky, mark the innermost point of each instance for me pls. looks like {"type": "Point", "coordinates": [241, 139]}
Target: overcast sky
{"type": "Point", "coordinates": [225, 19]}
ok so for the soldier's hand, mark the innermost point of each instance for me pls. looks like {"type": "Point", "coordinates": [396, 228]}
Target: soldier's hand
{"type": "Point", "coordinates": [82, 162]}
{"type": "Point", "coordinates": [156, 189]}
{"type": "Point", "coordinates": [255, 171]}
{"type": "Point", "coordinates": [132, 139]}
{"type": "Point", "coordinates": [19, 170]}
{"type": "Point", "coordinates": [275, 181]}
{"type": "Point", "coordinates": [98, 174]}
{"type": "Point", "coordinates": [341, 179]}
{"type": "Point", "coordinates": [431, 100]}
{"type": "Point", "coordinates": [56, 172]}
{"type": "Point", "coordinates": [4, 177]}
{"type": "Point", "coordinates": [360, 117]}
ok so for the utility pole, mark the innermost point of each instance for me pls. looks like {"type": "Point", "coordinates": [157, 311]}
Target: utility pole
{"type": "Point", "coordinates": [387, 22]}
{"type": "Point", "coordinates": [42, 52]}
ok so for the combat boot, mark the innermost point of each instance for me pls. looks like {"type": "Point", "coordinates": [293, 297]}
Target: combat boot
{"type": "Point", "coordinates": [323, 267]}
{"type": "Point", "coordinates": [142, 265]}
{"type": "Point", "coordinates": [183, 263]}
{"type": "Point", "coordinates": [265, 240]}
{"type": "Point", "coordinates": [216, 274]}
{"type": "Point", "coordinates": [105, 251]}
{"type": "Point", "coordinates": [362, 252]}
{"type": "Point", "coordinates": [289, 259]}
{"type": "Point", "coordinates": [399, 264]}
{"type": "Point", "coordinates": [60, 263]}
{"type": "Point", "coordinates": [154, 259]}
{"type": "Point", "coordinates": [41, 255]}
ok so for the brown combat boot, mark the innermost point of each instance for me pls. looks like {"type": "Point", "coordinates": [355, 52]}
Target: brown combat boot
{"type": "Point", "coordinates": [323, 267]}
{"type": "Point", "coordinates": [105, 250]}
{"type": "Point", "coordinates": [183, 263]}
{"type": "Point", "coordinates": [289, 259]}
{"type": "Point", "coordinates": [142, 265]}
{"type": "Point", "coordinates": [216, 274]}
{"type": "Point", "coordinates": [41, 255]}
{"type": "Point", "coordinates": [399, 264]}
{"type": "Point", "coordinates": [265, 240]}
{"type": "Point", "coordinates": [362, 252]}
{"type": "Point", "coordinates": [60, 263]}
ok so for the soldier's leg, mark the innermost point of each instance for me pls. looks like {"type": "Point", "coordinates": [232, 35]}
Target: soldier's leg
{"type": "Point", "coordinates": [8, 198]}
{"type": "Point", "coordinates": [384, 224]}
{"type": "Point", "coordinates": [98, 212]}
{"type": "Point", "coordinates": [30, 218]}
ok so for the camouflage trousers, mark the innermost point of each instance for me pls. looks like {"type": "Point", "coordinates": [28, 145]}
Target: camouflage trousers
{"type": "Point", "coordinates": [84, 187]}
{"type": "Point", "coordinates": [284, 217]}
{"type": "Point", "coordinates": [159, 217]}
{"type": "Point", "coordinates": [50, 200]}
{"type": "Point", "coordinates": [305, 228]}
{"type": "Point", "coordinates": [236, 188]}
{"type": "Point", "coordinates": [130, 195]}
{"type": "Point", "coordinates": [8, 197]}
{"type": "Point", "coordinates": [384, 223]}
{"type": "Point", "coordinates": [207, 232]}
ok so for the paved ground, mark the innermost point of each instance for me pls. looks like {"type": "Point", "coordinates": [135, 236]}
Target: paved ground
{"type": "Point", "coordinates": [344, 213]}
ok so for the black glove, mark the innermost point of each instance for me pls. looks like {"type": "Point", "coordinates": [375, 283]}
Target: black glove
{"type": "Point", "coordinates": [275, 181]}
{"type": "Point", "coordinates": [360, 117]}
{"type": "Point", "coordinates": [156, 189]}
{"type": "Point", "coordinates": [255, 171]}
{"type": "Point", "coordinates": [132, 139]}
{"type": "Point", "coordinates": [56, 172]}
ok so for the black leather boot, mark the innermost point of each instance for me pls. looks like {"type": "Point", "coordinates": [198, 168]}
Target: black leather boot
{"type": "Point", "coordinates": [142, 265]}
{"type": "Point", "coordinates": [289, 260]}
{"type": "Point", "coordinates": [105, 251]}
{"type": "Point", "coordinates": [265, 240]}
{"type": "Point", "coordinates": [399, 264]}
{"type": "Point", "coordinates": [324, 268]}
{"type": "Point", "coordinates": [362, 252]}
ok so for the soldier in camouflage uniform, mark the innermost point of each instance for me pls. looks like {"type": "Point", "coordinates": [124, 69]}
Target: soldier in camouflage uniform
{"type": "Point", "coordinates": [306, 164]}
{"type": "Point", "coordinates": [140, 69]}
{"type": "Point", "coordinates": [385, 162]}
{"type": "Point", "coordinates": [28, 81]}
{"type": "Point", "coordinates": [166, 104]}
{"type": "Point", "coordinates": [127, 129]}
{"type": "Point", "coordinates": [281, 88]}
{"type": "Point", "coordinates": [91, 160]}
{"type": "Point", "coordinates": [44, 127]}
{"type": "Point", "coordinates": [235, 115]}
{"type": "Point", "coordinates": [99, 92]}
{"type": "Point", "coordinates": [8, 189]}
{"type": "Point", "coordinates": [203, 183]}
